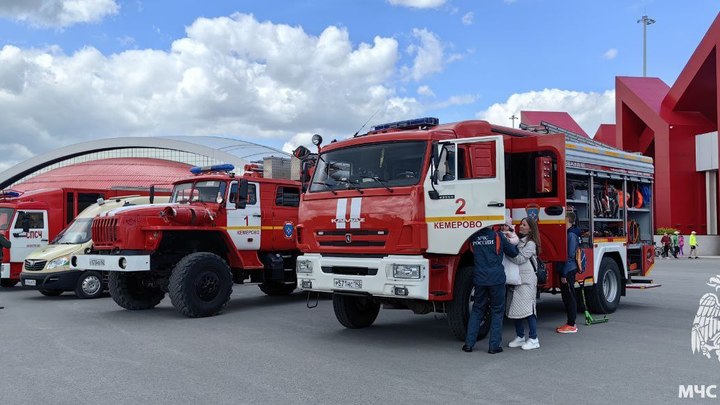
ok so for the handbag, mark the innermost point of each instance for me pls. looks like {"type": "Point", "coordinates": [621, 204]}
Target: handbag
{"type": "Point", "coordinates": [540, 270]}
{"type": "Point", "coordinates": [512, 272]}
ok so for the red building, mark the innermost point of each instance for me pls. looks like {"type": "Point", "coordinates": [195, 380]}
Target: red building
{"type": "Point", "coordinates": [675, 125]}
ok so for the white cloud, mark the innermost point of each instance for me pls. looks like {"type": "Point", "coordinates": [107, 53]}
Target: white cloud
{"type": "Point", "coordinates": [429, 55]}
{"type": "Point", "coordinates": [610, 54]}
{"type": "Point", "coordinates": [302, 138]}
{"type": "Point", "coordinates": [588, 109]}
{"type": "Point", "coordinates": [464, 99]}
{"type": "Point", "coordinates": [425, 91]}
{"type": "Point", "coordinates": [468, 18]}
{"type": "Point", "coordinates": [417, 3]}
{"type": "Point", "coordinates": [57, 13]}
{"type": "Point", "coordinates": [229, 75]}
{"type": "Point", "coordinates": [126, 41]}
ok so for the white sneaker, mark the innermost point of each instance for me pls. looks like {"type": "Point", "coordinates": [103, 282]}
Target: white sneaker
{"type": "Point", "coordinates": [531, 344]}
{"type": "Point", "coordinates": [517, 342]}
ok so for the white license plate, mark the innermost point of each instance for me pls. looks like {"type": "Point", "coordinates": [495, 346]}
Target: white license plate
{"type": "Point", "coordinates": [346, 283]}
{"type": "Point", "coordinates": [29, 282]}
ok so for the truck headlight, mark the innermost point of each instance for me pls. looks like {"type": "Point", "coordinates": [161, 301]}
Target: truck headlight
{"type": "Point", "coordinates": [407, 271]}
{"type": "Point", "coordinates": [59, 262]}
{"type": "Point", "coordinates": [304, 266]}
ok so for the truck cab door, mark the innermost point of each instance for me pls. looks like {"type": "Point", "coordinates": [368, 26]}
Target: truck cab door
{"type": "Point", "coordinates": [465, 193]}
{"type": "Point", "coordinates": [29, 232]}
{"type": "Point", "coordinates": [244, 224]}
{"type": "Point", "coordinates": [536, 188]}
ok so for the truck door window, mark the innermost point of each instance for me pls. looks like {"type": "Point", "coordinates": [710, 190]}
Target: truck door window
{"type": "Point", "coordinates": [5, 217]}
{"type": "Point", "coordinates": [252, 196]}
{"type": "Point", "coordinates": [287, 197]}
{"type": "Point", "coordinates": [446, 167]}
{"type": "Point", "coordinates": [35, 220]}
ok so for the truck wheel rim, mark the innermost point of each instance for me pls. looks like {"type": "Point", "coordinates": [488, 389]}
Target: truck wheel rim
{"type": "Point", "coordinates": [208, 286]}
{"type": "Point", "coordinates": [610, 286]}
{"type": "Point", "coordinates": [91, 285]}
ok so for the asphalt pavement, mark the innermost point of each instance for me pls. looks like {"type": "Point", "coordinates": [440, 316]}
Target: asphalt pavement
{"type": "Point", "coordinates": [64, 350]}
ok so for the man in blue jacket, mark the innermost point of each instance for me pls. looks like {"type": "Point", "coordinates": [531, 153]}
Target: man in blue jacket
{"type": "Point", "coordinates": [488, 247]}
{"type": "Point", "coordinates": [567, 276]}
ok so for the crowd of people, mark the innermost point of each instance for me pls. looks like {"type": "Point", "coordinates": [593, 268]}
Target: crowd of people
{"type": "Point", "coordinates": [517, 302]}
{"type": "Point", "coordinates": [675, 245]}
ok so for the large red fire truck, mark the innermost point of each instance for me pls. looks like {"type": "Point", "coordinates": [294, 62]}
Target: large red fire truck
{"type": "Point", "coordinates": [387, 216]}
{"type": "Point", "coordinates": [216, 230]}
{"type": "Point", "coordinates": [31, 219]}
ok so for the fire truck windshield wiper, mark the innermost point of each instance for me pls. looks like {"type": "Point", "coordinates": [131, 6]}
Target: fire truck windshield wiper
{"type": "Point", "coordinates": [381, 181]}
{"type": "Point", "coordinates": [328, 186]}
{"type": "Point", "coordinates": [352, 185]}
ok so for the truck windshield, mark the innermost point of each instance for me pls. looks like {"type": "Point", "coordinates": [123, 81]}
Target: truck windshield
{"type": "Point", "coordinates": [79, 231]}
{"type": "Point", "coordinates": [202, 191]}
{"type": "Point", "coordinates": [370, 166]}
{"type": "Point", "coordinates": [6, 215]}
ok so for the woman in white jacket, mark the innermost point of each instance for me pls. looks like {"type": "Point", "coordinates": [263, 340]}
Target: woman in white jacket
{"type": "Point", "coordinates": [522, 298]}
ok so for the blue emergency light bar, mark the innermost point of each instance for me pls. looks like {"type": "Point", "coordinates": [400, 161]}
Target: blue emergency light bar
{"type": "Point", "coordinates": [10, 193]}
{"type": "Point", "coordinates": [414, 123]}
{"type": "Point", "coordinates": [225, 167]}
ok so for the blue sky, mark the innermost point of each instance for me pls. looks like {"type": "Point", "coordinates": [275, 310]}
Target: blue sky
{"type": "Point", "coordinates": [278, 71]}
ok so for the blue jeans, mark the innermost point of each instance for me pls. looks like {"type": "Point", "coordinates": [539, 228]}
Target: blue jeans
{"type": "Point", "coordinates": [495, 294]}
{"type": "Point", "coordinates": [532, 325]}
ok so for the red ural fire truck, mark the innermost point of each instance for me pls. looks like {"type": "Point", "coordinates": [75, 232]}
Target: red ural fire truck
{"type": "Point", "coordinates": [31, 219]}
{"type": "Point", "coordinates": [387, 216]}
{"type": "Point", "coordinates": [216, 230]}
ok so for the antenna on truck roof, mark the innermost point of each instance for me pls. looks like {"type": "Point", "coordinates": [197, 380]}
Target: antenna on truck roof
{"type": "Point", "coordinates": [366, 122]}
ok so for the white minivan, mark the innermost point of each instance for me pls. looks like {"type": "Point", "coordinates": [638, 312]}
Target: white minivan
{"type": "Point", "coordinates": [48, 268]}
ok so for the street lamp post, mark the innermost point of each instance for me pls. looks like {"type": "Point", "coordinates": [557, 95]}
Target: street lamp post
{"type": "Point", "coordinates": [513, 118]}
{"type": "Point", "coordinates": [645, 20]}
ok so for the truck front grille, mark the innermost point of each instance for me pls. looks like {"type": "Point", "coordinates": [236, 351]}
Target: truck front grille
{"type": "Point", "coordinates": [104, 230]}
{"type": "Point", "coordinates": [352, 237]}
{"type": "Point", "coordinates": [35, 265]}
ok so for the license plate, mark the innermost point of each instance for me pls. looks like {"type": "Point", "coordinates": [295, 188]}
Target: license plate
{"type": "Point", "coordinates": [346, 283]}
{"type": "Point", "coordinates": [29, 282]}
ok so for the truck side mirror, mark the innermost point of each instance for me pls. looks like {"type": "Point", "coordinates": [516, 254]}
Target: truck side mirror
{"type": "Point", "coordinates": [242, 196]}
{"type": "Point", "coordinates": [152, 194]}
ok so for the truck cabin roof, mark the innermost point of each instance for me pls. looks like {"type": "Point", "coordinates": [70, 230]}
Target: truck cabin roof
{"type": "Point", "coordinates": [454, 130]}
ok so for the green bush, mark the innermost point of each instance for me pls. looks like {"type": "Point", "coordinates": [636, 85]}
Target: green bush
{"type": "Point", "coordinates": [661, 231]}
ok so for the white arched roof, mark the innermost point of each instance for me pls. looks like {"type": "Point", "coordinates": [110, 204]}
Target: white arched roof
{"type": "Point", "coordinates": [221, 149]}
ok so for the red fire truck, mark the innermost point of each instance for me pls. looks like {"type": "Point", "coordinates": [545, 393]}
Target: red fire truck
{"type": "Point", "coordinates": [216, 230]}
{"type": "Point", "coordinates": [387, 215]}
{"type": "Point", "coordinates": [31, 219]}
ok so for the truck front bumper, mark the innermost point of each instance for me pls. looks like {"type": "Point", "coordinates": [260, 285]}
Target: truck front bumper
{"type": "Point", "coordinates": [127, 263]}
{"type": "Point", "coordinates": [367, 276]}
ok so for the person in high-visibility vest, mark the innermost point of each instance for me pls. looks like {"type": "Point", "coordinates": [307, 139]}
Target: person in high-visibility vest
{"type": "Point", "coordinates": [693, 245]}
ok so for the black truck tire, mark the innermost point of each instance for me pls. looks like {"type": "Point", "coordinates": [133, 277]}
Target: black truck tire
{"type": "Point", "coordinates": [89, 285]}
{"type": "Point", "coordinates": [50, 293]}
{"type": "Point", "coordinates": [604, 296]}
{"type": "Point", "coordinates": [277, 289]}
{"type": "Point", "coordinates": [458, 311]}
{"type": "Point", "coordinates": [200, 285]}
{"type": "Point", "coordinates": [355, 312]}
{"type": "Point", "coordinates": [7, 283]}
{"type": "Point", "coordinates": [128, 291]}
